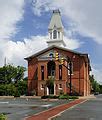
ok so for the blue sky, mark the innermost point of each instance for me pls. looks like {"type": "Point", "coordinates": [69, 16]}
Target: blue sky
{"type": "Point", "coordinates": [24, 29]}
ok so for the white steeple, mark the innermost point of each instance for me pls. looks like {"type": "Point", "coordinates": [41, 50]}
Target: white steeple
{"type": "Point", "coordinates": [55, 30]}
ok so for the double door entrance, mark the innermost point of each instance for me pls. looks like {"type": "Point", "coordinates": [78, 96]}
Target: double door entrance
{"type": "Point", "coordinates": [51, 67]}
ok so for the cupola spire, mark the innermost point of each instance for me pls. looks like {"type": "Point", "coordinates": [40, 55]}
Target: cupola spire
{"type": "Point", "coordinates": [55, 30]}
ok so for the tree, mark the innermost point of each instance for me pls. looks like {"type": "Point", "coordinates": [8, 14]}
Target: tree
{"type": "Point", "coordinates": [22, 87]}
{"type": "Point", "coordinates": [100, 86]}
{"type": "Point", "coordinates": [95, 84]}
{"type": "Point", "coordinates": [19, 73]}
{"type": "Point", "coordinates": [10, 73]}
{"type": "Point", "coordinates": [50, 84]}
{"type": "Point", "coordinates": [11, 79]}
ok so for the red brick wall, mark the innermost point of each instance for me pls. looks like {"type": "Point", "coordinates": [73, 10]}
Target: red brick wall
{"type": "Point", "coordinates": [32, 83]}
{"type": "Point", "coordinates": [80, 77]}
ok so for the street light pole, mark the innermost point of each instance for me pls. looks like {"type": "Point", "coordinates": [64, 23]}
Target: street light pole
{"type": "Point", "coordinates": [69, 60]}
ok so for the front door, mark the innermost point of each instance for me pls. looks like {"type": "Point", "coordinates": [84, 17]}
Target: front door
{"type": "Point", "coordinates": [51, 76]}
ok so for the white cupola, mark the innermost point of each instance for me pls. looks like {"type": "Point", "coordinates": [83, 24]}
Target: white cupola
{"type": "Point", "coordinates": [55, 30]}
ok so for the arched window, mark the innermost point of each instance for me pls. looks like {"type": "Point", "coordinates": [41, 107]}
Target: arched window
{"type": "Point", "coordinates": [54, 34]}
{"type": "Point", "coordinates": [50, 35]}
{"type": "Point", "coordinates": [58, 34]}
{"type": "Point", "coordinates": [51, 68]}
{"type": "Point", "coordinates": [60, 72]}
{"type": "Point", "coordinates": [42, 72]}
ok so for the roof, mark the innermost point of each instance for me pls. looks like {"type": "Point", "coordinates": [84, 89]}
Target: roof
{"type": "Point", "coordinates": [60, 48]}
{"type": "Point", "coordinates": [55, 20]}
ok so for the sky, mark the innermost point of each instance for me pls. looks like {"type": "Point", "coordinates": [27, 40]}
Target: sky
{"type": "Point", "coordinates": [24, 29]}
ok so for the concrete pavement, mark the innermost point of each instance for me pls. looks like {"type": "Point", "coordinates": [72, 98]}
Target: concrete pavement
{"type": "Point", "coordinates": [45, 115]}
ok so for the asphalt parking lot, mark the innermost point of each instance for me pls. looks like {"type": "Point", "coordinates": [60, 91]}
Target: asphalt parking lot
{"type": "Point", "coordinates": [89, 110]}
{"type": "Point", "coordinates": [19, 108]}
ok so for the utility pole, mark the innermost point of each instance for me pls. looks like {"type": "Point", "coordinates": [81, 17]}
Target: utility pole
{"type": "Point", "coordinates": [5, 61]}
{"type": "Point", "coordinates": [5, 69]}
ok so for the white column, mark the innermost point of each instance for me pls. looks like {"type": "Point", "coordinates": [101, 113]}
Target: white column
{"type": "Point", "coordinates": [54, 89]}
{"type": "Point", "coordinates": [47, 91]}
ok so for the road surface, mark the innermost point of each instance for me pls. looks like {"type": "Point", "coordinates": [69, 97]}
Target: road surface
{"type": "Point", "coordinates": [89, 110]}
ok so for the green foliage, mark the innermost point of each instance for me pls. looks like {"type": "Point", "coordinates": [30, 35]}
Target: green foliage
{"type": "Point", "coordinates": [64, 96]}
{"type": "Point", "coordinates": [61, 92]}
{"type": "Point", "coordinates": [10, 89]}
{"type": "Point", "coordinates": [3, 117]}
{"type": "Point", "coordinates": [11, 73]}
{"type": "Point", "coordinates": [11, 79]}
{"type": "Point", "coordinates": [21, 87]}
{"type": "Point", "coordinates": [17, 94]}
{"type": "Point", "coordinates": [33, 92]}
{"type": "Point", "coordinates": [95, 85]}
{"type": "Point", "coordinates": [50, 82]}
{"type": "Point", "coordinates": [100, 86]}
{"type": "Point", "coordinates": [49, 96]}
{"type": "Point", "coordinates": [73, 97]}
{"type": "Point", "coordinates": [16, 89]}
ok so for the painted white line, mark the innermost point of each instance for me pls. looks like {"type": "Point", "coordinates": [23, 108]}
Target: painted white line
{"type": "Point", "coordinates": [4, 102]}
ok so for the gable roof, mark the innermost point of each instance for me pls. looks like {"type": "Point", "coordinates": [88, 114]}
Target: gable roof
{"type": "Point", "coordinates": [60, 48]}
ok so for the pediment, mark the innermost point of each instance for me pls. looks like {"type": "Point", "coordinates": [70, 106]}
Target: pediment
{"type": "Point", "coordinates": [50, 55]}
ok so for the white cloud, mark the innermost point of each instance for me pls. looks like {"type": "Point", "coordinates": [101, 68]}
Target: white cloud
{"type": "Point", "coordinates": [40, 6]}
{"type": "Point", "coordinates": [72, 43]}
{"type": "Point", "coordinates": [97, 74]}
{"type": "Point", "coordinates": [11, 11]}
{"type": "Point", "coordinates": [85, 15]}
{"type": "Point", "coordinates": [15, 52]}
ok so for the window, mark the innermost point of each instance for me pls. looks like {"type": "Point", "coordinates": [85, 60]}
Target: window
{"type": "Point", "coordinates": [60, 86]}
{"type": "Point", "coordinates": [58, 34]}
{"type": "Point", "coordinates": [60, 72]}
{"type": "Point", "coordinates": [70, 64]}
{"type": "Point", "coordinates": [50, 35]}
{"type": "Point", "coordinates": [42, 86]}
{"type": "Point", "coordinates": [54, 34]}
{"type": "Point", "coordinates": [42, 72]}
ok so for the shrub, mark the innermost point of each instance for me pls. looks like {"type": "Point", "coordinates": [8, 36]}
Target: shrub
{"type": "Point", "coordinates": [3, 117]}
{"type": "Point", "coordinates": [61, 92]}
{"type": "Point", "coordinates": [49, 96]}
{"type": "Point", "coordinates": [65, 96]}
{"type": "Point", "coordinates": [44, 97]}
{"type": "Point", "coordinates": [17, 94]}
{"type": "Point", "coordinates": [33, 92]}
{"type": "Point", "coordinates": [73, 97]}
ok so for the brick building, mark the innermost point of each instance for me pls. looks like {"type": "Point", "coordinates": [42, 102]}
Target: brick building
{"type": "Point", "coordinates": [47, 75]}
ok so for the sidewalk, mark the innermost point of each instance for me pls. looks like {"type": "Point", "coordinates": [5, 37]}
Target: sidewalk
{"type": "Point", "coordinates": [87, 97]}
{"type": "Point", "coordinates": [45, 115]}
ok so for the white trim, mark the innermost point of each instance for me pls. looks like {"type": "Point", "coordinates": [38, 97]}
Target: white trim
{"type": "Point", "coordinates": [59, 86]}
{"type": "Point", "coordinates": [42, 86]}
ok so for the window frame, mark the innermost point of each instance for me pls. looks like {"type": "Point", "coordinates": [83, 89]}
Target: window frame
{"type": "Point", "coordinates": [54, 34]}
{"type": "Point", "coordinates": [42, 72]}
{"type": "Point", "coordinates": [60, 72]}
